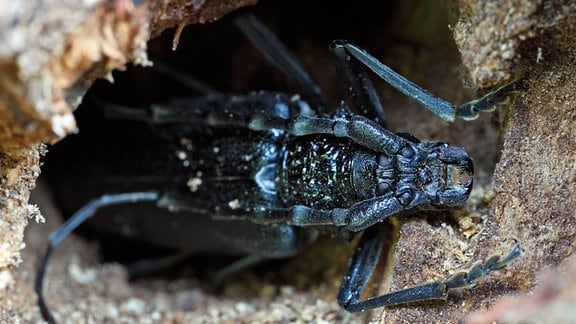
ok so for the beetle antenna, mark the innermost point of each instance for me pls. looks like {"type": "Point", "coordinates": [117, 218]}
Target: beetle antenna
{"type": "Point", "coordinates": [71, 224]}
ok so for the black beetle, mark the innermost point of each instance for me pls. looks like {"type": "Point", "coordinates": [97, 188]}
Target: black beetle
{"type": "Point", "coordinates": [265, 173]}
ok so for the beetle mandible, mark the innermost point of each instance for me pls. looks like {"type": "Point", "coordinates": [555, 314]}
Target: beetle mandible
{"type": "Point", "coordinates": [293, 169]}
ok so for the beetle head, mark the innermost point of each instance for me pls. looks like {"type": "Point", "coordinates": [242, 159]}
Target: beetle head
{"type": "Point", "coordinates": [446, 175]}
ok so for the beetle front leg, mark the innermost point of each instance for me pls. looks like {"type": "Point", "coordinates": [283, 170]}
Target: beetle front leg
{"type": "Point", "coordinates": [361, 266]}
{"type": "Point", "coordinates": [439, 107]}
{"type": "Point", "coordinates": [470, 110]}
{"type": "Point", "coordinates": [358, 129]}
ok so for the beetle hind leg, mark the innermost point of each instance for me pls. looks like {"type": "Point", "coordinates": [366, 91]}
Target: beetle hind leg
{"type": "Point", "coordinates": [364, 261]}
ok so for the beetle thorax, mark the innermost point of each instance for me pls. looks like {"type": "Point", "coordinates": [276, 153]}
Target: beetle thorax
{"type": "Point", "coordinates": [325, 172]}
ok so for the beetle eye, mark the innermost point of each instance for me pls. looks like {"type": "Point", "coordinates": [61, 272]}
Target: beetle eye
{"type": "Point", "coordinates": [405, 197]}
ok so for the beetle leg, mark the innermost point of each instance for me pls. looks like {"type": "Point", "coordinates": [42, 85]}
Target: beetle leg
{"type": "Point", "coordinates": [274, 109]}
{"type": "Point", "coordinates": [219, 110]}
{"type": "Point", "coordinates": [470, 110]}
{"type": "Point", "coordinates": [145, 267]}
{"type": "Point", "coordinates": [479, 270]}
{"type": "Point", "coordinates": [363, 262]}
{"type": "Point", "coordinates": [439, 107]}
{"type": "Point", "coordinates": [358, 217]}
{"type": "Point", "coordinates": [278, 55]}
{"type": "Point", "coordinates": [358, 128]}
{"type": "Point", "coordinates": [357, 85]}
{"type": "Point", "coordinates": [361, 266]}
{"type": "Point", "coordinates": [266, 111]}
{"type": "Point", "coordinates": [238, 266]}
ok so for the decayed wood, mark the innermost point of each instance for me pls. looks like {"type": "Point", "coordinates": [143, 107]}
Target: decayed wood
{"type": "Point", "coordinates": [53, 50]}
{"type": "Point", "coordinates": [50, 53]}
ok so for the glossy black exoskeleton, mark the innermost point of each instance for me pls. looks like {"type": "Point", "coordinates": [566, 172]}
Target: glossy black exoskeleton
{"type": "Point", "coordinates": [265, 173]}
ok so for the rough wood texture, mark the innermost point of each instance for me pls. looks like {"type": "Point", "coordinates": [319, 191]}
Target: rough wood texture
{"type": "Point", "coordinates": [534, 181]}
{"type": "Point", "coordinates": [53, 50]}
{"type": "Point", "coordinates": [19, 168]}
{"type": "Point", "coordinates": [490, 33]}
{"type": "Point", "coordinates": [50, 53]}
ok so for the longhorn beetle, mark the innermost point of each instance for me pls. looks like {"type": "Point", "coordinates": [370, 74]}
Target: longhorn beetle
{"type": "Point", "coordinates": [263, 174]}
